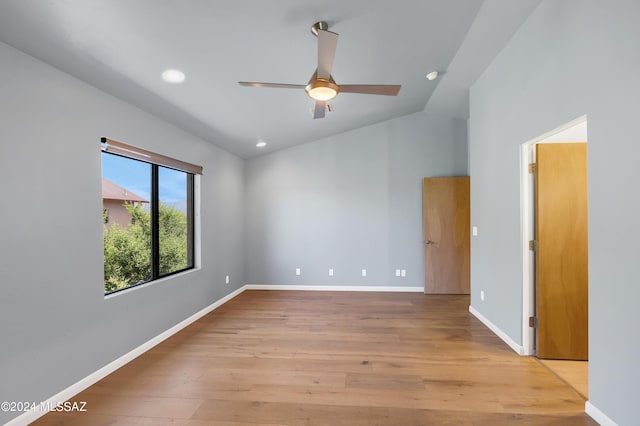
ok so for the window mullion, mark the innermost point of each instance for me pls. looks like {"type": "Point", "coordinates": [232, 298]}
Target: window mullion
{"type": "Point", "coordinates": [155, 223]}
{"type": "Point", "coordinates": [190, 220]}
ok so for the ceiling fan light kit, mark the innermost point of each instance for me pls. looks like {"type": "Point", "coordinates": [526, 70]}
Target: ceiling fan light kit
{"type": "Point", "coordinates": [322, 87]}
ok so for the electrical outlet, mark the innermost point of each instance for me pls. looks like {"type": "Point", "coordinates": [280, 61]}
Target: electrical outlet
{"type": "Point", "coordinates": [397, 272]}
{"type": "Point", "coordinates": [482, 295]}
{"type": "Point", "coordinates": [403, 273]}
{"type": "Point", "coordinates": [474, 231]}
{"type": "Point", "coordinates": [297, 271]}
{"type": "Point", "coordinates": [330, 272]}
{"type": "Point", "coordinates": [364, 272]}
{"type": "Point", "coordinates": [226, 279]}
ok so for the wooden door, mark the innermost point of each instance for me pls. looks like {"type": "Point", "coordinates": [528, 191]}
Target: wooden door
{"type": "Point", "coordinates": [445, 216]}
{"type": "Point", "coordinates": [562, 253]}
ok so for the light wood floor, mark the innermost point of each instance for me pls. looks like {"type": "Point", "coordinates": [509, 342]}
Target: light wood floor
{"type": "Point", "coordinates": [331, 358]}
{"type": "Point", "coordinates": [575, 373]}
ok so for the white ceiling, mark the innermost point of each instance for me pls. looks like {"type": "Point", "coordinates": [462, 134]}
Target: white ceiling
{"type": "Point", "coordinates": [122, 47]}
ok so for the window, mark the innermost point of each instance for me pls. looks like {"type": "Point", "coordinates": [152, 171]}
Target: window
{"type": "Point", "coordinates": [148, 215]}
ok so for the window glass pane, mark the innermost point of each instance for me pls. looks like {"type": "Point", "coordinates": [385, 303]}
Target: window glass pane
{"type": "Point", "coordinates": [174, 236]}
{"type": "Point", "coordinates": [126, 195]}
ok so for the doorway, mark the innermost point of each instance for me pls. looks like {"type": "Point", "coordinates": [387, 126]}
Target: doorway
{"type": "Point", "coordinates": [550, 301]}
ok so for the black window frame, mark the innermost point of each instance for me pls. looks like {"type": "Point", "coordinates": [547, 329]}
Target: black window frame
{"type": "Point", "coordinates": [154, 211]}
{"type": "Point", "coordinates": [155, 224]}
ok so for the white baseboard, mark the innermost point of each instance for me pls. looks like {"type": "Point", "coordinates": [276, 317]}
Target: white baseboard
{"type": "Point", "coordinates": [501, 334]}
{"type": "Point", "coordinates": [30, 416]}
{"type": "Point", "coordinates": [335, 288]}
{"type": "Point", "coordinates": [598, 415]}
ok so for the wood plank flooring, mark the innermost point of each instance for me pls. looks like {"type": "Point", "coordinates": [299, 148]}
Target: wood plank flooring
{"type": "Point", "coordinates": [574, 373]}
{"type": "Point", "coordinates": [331, 358]}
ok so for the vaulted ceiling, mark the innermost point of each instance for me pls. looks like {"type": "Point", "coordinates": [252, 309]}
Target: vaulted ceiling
{"type": "Point", "coordinates": [123, 46]}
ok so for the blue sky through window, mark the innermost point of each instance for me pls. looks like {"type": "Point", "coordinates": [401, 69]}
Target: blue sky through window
{"type": "Point", "coordinates": [135, 176]}
{"type": "Point", "coordinates": [172, 188]}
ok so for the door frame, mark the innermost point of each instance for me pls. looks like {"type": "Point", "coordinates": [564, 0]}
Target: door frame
{"type": "Point", "coordinates": [527, 230]}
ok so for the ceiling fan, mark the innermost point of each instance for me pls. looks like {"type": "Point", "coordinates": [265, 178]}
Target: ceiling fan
{"type": "Point", "coordinates": [322, 87]}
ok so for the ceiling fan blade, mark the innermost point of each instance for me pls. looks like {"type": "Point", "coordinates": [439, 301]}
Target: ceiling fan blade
{"type": "Point", "coordinates": [275, 85]}
{"type": "Point", "coordinates": [371, 89]}
{"type": "Point", "coordinates": [319, 110]}
{"type": "Point", "coordinates": [327, 43]}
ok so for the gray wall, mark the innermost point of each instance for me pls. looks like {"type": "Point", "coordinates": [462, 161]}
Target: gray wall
{"type": "Point", "coordinates": [570, 58]}
{"type": "Point", "coordinates": [56, 326]}
{"type": "Point", "coordinates": [348, 202]}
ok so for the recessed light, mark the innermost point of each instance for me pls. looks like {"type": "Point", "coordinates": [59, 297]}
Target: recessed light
{"type": "Point", "coordinates": [432, 75]}
{"type": "Point", "coordinates": [261, 144]}
{"type": "Point", "coordinates": [173, 76]}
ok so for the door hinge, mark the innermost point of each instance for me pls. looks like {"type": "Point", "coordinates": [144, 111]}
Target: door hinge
{"type": "Point", "coordinates": [533, 322]}
{"type": "Point", "coordinates": [533, 245]}
{"type": "Point", "coordinates": [533, 168]}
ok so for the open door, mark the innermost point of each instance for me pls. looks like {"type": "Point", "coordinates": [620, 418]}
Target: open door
{"type": "Point", "coordinates": [561, 254]}
{"type": "Point", "coordinates": [445, 212]}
